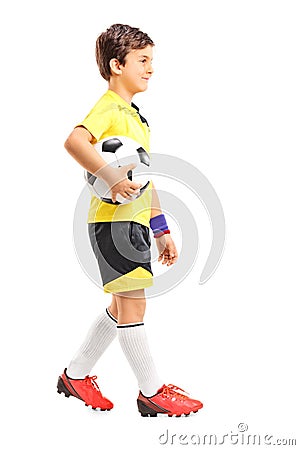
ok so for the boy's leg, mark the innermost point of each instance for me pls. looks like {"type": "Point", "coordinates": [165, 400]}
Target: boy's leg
{"type": "Point", "coordinates": [75, 381]}
{"type": "Point", "coordinates": [100, 335]}
{"type": "Point", "coordinates": [113, 308]}
{"type": "Point", "coordinates": [154, 397]}
{"type": "Point", "coordinates": [132, 336]}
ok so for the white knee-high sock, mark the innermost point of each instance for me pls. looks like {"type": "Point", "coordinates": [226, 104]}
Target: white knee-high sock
{"type": "Point", "coordinates": [101, 334]}
{"type": "Point", "coordinates": [135, 346]}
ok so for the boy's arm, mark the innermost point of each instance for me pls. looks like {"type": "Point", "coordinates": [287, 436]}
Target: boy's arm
{"type": "Point", "coordinates": [79, 146]}
{"type": "Point", "coordinates": [167, 249]}
{"type": "Point", "coordinates": [155, 205]}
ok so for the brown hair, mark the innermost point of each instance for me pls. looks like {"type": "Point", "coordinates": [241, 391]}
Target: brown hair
{"type": "Point", "coordinates": [116, 42]}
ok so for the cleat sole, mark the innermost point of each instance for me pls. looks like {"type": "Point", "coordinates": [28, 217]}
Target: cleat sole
{"type": "Point", "coordinates": [65, 394]}
{"type": "Point", "coordinates": [62, 389]}
{"type": "Point", "coordinates": [153, 414]}
{"type": "Point", "coordinates": [97, 408]}
{"type": "Point", "coordinates": [100, 409]}
{"type": "Point", "coordinates": [147, 411]}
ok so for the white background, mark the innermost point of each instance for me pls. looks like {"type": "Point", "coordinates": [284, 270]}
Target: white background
{"type": "Point", "coordinates": [225, 97]}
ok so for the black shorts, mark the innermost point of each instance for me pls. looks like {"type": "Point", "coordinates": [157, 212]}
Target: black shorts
{"type": "Point", "coordinates": [123, 253]}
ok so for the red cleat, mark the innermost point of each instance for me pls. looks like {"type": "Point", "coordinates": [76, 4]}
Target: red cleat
{"type": "Point", "coordinates": [170, 400]}
{"type": "Point", "coordinates": [86, 390]}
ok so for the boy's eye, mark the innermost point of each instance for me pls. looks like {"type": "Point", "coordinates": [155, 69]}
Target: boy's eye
{"type": "Point", "coordinates": [143, 61]}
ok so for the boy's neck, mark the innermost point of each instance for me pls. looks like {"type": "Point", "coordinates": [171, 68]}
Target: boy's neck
{"type": "Point", "coordinates": [121, 91]}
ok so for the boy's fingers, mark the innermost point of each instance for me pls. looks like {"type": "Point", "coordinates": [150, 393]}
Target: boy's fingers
{"type": "Point", "coordinates": [130, 166]}
{"type": "Point", "coordinates": [134, 190]}
{"type": "Point", "coordinates": [135, 186]}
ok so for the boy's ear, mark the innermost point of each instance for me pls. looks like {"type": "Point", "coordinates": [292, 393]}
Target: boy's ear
{"type": "Point", "coordinates": [115, 66]}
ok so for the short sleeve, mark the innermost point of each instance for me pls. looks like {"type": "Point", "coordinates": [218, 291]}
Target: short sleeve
{"type": "Point", "coordinates": [97, 122]}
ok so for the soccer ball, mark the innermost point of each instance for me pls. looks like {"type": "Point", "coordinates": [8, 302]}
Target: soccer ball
{"type": "Point", "coordinates": [120, 151]}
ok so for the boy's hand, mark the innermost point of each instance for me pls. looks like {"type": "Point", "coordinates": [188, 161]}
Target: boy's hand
{"type": "Point", "coordinates": [118, 182]}
{"type": "Point", "coordinates": [167, 249]}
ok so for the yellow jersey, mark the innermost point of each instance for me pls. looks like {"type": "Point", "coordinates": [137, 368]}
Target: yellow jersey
{"type": "Point", "coordinates": [113, 116]}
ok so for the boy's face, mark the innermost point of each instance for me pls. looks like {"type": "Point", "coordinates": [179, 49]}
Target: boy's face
{"type": "Point", "coordinates": [137, 70]}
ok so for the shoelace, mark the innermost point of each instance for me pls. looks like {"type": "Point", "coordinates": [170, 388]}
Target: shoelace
{"type": "Point", "coordinates": [92, 382]}
{"type": "Point", "coordinates": [172, 390]}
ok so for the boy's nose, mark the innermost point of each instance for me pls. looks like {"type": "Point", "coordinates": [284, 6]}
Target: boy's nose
{"type": "Point", "coordinates": [150, 69]}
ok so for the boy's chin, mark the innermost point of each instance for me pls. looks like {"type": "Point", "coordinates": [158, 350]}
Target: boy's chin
{"type": "Point", "coordinates": [140, 89]}
{"type": "Point", "coordinates": [143, 89]}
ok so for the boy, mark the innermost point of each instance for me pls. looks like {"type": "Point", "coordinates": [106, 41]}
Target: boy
{"type": "Point", "coordinates": [124, 58]}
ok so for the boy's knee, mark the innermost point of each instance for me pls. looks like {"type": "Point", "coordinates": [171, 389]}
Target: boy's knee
{"type": "Point", "coordinates": [131, 309]}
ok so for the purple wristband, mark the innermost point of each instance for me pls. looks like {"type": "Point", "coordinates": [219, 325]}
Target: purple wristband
{"type": "Point", "coordinates": [158, 225]}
